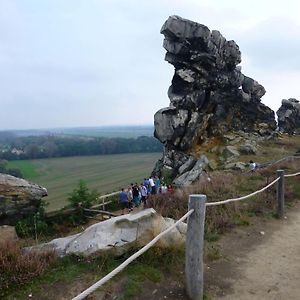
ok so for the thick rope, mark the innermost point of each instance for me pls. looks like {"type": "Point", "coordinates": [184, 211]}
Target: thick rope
{"type": "Point", "coordinates": [129, 260]}
{"type": "Point", "coordinates": [242, 198]}
{"type": "Point", "coordinates": [292, 175]}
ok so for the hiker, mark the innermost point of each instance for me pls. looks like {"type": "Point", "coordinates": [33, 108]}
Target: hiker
{"type": "Point", "coordinates": [123, 200]}
{"type": "Point", "coordinates": [152, 185]}
{"type": "Point", "coordinates": [171, 189]}
{"type": "Point", "coordinates": [144, 194]}
{"type": "Point", "coordinates": [164, 188]}
{"type": "Point", "coordinates": [129, 197]}
{"type": "Point", "coordinates": [157, 184]}
{"type": "Point", "coordinates": [136, 195]}
{"type": "Point", "coordinates": [147, 185]}
{"type": "Point", "coordinates": [252, 166]}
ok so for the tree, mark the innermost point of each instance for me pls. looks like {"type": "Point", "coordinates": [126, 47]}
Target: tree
{"type": "Point", "coordinates": [81, 198]}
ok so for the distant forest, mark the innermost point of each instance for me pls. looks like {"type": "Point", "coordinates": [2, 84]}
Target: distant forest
{"type": "Point", "coordinates": [45, 146]}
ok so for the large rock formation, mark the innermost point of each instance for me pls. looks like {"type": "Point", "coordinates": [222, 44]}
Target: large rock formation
{"type": "Point", "coordinates": [289, 116]}
{"type": "Point", "coordinates": [118, 235]}
{"type": "Point", "coordinates": [18, 198]}
{"type": "Point", "coordinates": [209, 96]}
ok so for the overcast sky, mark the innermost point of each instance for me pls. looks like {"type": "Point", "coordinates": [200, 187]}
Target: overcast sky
{"type": "Point", "coordinates": [71, 63]}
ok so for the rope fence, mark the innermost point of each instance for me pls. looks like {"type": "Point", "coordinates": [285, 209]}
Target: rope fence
{"type": "Point", "coordinates": [194, 238]}
{"type": "Point", "coordinates": [130, 259]}
{"type": "Point", "coordinates": [292, 175]}
{"type": "Point", "coordinates": [244, 197]}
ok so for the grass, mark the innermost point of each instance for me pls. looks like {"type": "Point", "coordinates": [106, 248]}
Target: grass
{"type": "Point", "coordinates": [273, 150]}
{"type": "Point", "coordinates": [212, 252]}
{"type": "Point", "coordinates": [27, 168]}
{"type": "Point", "coordinates": [150, 267]}
{"type": "Point", "coordinates": [105, 173]}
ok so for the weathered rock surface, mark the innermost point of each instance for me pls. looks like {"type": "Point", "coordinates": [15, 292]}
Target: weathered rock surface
{"type": "Point", "coordinates": [289, 116]}
{"type": "Point", "coordinates": [209, 95]}
{"type": "Point", "coordinates": [188, 177]}
{"type": "Point", "coordinates": [18, 198]}
{"type": "Point", "coordinates": [118, 235]}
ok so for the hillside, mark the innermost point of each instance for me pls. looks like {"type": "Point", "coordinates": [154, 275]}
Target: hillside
{"type": "Point", "coordinates": [159, 274]}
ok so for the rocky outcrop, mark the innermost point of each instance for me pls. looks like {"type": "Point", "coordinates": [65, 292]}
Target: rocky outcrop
{"type": "Point", "coordinates": [289, 116]}
{"type": "Point", "coordinates": [118, 235]}
{"type": "Point", "coordinates": [209, 95]}
{"type": "Point", "coordinates": [18, 198]}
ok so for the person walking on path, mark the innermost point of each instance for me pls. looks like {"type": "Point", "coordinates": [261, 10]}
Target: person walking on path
{"type": "Point", "coordinates": [164, 188]}
{"type": "Point", "coordinates": [136, 195]}
{"type": "Point", "coordinates": [130, 198]}
{"type": "Point", "coordinates": [123, 200]}
{"type": "Point", "coordinates": [144, 194]}
{"type": "Point", "coordinates": [152, 185]}
{"type": "Point", "coordinates": [157, 185]}
{"type": "Point", "coordinates": [147, 185]}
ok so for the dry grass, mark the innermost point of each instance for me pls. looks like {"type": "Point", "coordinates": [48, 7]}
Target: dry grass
{"type": "Point", "coordinates": [226, 185]}
{"type": "Point", "coordinates": [18, 267]}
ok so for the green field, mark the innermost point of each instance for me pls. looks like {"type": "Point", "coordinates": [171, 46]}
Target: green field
{"type": "Point", "coordinates": [105, 173]}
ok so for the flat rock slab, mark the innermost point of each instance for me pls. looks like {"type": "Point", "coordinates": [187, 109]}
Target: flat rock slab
{"type": "Point", "coordinates": [117, 235]}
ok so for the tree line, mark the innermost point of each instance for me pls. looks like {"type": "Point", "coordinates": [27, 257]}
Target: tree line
{"type": "Point", "coordinates": [33, 147]}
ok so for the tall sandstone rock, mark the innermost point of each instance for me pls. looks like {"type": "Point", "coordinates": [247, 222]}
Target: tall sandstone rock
{"type": "Point", "coordinates": [209, 98]}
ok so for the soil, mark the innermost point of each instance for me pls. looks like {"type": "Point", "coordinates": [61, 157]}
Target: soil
{"type": "Point", "coordinates": [259, 261]}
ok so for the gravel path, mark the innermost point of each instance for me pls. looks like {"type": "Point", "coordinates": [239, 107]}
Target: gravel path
{"type": "Point", "coordinates": [271, 270]}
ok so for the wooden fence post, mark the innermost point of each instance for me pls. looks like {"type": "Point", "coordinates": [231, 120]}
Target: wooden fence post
{"type": "Point", "coordinates": [280, 194]}
{"type": "Point", "coordinates": [194, 247]}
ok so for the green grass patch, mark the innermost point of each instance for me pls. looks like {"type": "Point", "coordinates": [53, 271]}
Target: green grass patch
{"type": "Point", "coordinates": [27, 168]}
{"type": "Point", "coordinates": [212, 236]}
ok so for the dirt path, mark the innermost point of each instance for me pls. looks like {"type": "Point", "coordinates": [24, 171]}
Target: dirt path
{"type": "Point", "coordinates": [261, 262]}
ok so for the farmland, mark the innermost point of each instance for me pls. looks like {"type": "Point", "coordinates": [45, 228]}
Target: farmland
{"type": "Point", "coordinates": [105, 173]}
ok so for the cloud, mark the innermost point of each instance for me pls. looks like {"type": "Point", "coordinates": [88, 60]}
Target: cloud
{"type": "Point", "coordinates": [272, 44]}
{"type": "Point", "coordinates": [79, 63]}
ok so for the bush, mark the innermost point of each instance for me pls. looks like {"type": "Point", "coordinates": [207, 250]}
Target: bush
{"type": "Point", "coordinates": [81, 198]}
{"type": "Point", "coordinates": [31, 226]}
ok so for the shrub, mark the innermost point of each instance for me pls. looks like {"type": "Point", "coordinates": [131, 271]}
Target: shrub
{"type": "Point", "coordinates": [34, 225]}
{"type": "Point", "coordinates": [81, 198]}
{"type": "Point", "coordinates": [31, 226]}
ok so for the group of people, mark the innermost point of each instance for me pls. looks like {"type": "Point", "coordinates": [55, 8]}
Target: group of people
{"type": "Point", "coordinates": [137, 194]}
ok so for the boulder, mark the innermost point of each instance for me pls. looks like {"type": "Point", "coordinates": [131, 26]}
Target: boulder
{"type": "Point", "coordinates": [235, 166]}
{"type": "Point", "coordinates": [117, 235]}
{"type": "Point", "coordinates": [209, 97]}
{"type": "Point", "coordinates": [18, 198]}
{"type": "Point", "coordinates": [289, 116]}
{"type": "Point", "coordinates": [247, 149]}
{"type": "Point", "coordinates": [191, 176]}
{"type": "Point", "coordinates": [229, 153]}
